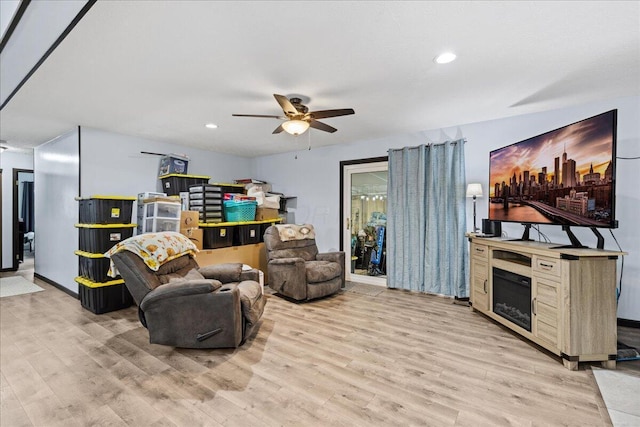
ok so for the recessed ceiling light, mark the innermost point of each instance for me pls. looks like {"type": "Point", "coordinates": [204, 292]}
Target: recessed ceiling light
{"type": "Point", "coordinates": [445, 58]}
{"type": "Point", "coordinates": [211, 126]}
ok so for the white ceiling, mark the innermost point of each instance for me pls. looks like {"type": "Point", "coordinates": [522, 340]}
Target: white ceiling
{"type": "Point", "coordinates": [162, 69]}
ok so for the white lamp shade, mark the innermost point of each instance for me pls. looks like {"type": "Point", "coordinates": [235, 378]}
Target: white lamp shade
{"type": "Point", "coordinates": [295, 127]}
{"type": "Point", "coordinates": [474, 189]}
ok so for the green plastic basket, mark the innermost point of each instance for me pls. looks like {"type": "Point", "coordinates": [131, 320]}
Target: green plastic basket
{"type": "Point", "coordinates": [237, 211]}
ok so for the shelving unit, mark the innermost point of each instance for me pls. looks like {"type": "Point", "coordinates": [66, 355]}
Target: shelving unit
{"type": "Point", "coordinates": [104, 221]}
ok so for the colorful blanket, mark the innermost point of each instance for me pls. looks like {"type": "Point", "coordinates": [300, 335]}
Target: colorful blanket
{"type": "Point", "coordinates": [155, 249]}
{"type": "Point", "coordinates": [289, 232]}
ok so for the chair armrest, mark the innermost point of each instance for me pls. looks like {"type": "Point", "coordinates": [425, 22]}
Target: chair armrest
{"type": "Point", "coordinates": [288, 276]}
{"type": "Point", "coordinates": [334, 257]}
{"type": "Point", "coordinates": [180, 289]}
{"type": "Point", "coordinates": [331, 256]}
{"type": "Point", "coordinates": [226, 273]}
{"type": "Point", "coordinates": [253, 274]}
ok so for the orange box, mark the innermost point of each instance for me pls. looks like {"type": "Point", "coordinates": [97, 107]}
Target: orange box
{"type": "Point", "coordinates": [189, 219]}
{"type": "Point", "coordinates": [196, 235]}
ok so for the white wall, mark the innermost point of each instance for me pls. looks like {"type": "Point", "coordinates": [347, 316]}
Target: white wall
{"type": "Point", "coordinates": [56, 212]}
{"type": "Point", "coordinates": [111, 164]}
{"type": "Point", "coordinates": [9, 161]}
{"type": "Point", "coordinates": [314, 178]}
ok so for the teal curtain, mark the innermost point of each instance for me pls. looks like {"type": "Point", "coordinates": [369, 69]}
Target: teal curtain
{"type": "Point", "coordinates": [426, 219]}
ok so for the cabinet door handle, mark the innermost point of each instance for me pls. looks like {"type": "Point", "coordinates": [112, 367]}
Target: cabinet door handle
{"type": "Point", "coordinates": [533, 306]}
{"type": "Point", "coordinates": [480, 250]}
{"type": "Point", "coordinates": [547, 266]}
{"type": "Point", "coordinates": [348, 223]}
{"type": "Point", "coordinates": [484, 285]}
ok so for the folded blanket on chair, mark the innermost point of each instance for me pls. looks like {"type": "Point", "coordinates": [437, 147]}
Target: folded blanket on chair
{"type": "Point", "coordinates": [289, 232]}
{"type": "Point", "coordinates": [155, 249]}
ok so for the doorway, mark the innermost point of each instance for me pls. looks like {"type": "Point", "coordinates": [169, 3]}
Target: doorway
{"type": "Point", "coordinates": [23, 220]}
{"type": "Point", "coordinates": [364, 213]}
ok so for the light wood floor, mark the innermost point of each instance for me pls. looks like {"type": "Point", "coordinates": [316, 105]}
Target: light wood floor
{"type": "Point", "coordinates": [392, 359]}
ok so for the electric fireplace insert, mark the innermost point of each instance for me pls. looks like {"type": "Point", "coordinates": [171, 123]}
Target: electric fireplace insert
{"type": "Point", "coordinates": [512, 297]}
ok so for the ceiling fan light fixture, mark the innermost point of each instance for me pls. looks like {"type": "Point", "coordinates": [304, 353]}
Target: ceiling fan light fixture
{"type": "Point", "coordinates": [295, 127]}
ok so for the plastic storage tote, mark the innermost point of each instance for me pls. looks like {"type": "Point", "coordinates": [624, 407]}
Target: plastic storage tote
{"type": "Point", "coordinates": [214, 237]}
{"type": "Point", "coordinates": [94, 266]}
{"type": "Point", "coordinates": [157, 225]}
{"type": "Point", "coordinates": [162, 209]}
{"type": "Point", "coordinates": [246, 234]}
{"type": "Point", "coordinates": [105, 209]}
{"type": "Point", "coordinates": [103, 297]}
{"type": "Point", "coordinates": [174, 184]}
{"type": "Point", "coordinates": [99, 238]}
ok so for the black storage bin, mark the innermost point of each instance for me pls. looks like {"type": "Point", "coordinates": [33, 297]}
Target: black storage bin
{"type": "Point", "coordinates": [230, 188]}
{"type": "Point", "coordinates": [105, 209]}
{"type": "Point", "coordinates": [99, 238]}
{"type": "Point", "coordinates": [102, 299]}
{"type": "Point", "coordinates": [174, 184]}
{"type": "Point", "coordinates": [246, 234]}
{"type": "Point", "coordinates": [217, 237]}
{"type": "Point", "coordinates": [94, 266]}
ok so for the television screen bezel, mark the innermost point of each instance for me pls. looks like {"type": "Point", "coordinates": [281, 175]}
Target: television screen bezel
{"type": "Point", "coordinates": [613, 222]}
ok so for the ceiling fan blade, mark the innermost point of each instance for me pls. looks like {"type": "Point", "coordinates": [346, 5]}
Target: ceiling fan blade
{"type": "Point", "coordinates": [260, 115]}
{"type": "Point", "coordinates": [278, 130]}
{"type": "Point", "coordinates": [322, 126]}
{"type": "Point", "coordinates": [325, 114]}
{"type": "Point", "coordinates": [286, 105]}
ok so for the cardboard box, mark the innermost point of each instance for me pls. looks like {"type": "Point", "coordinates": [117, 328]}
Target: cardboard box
{"type": "Point", "coordinates": [189, 219]}
{"type": "Point", "coordinates": [266, 213]}
{"type": "Point", "coordinates": [195, 235]}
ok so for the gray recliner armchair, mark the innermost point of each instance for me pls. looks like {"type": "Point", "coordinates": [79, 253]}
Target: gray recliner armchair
{"type": "Point", "coordinates": [183, 305]}
{"type": "Point", "coordinates": [296, 269]}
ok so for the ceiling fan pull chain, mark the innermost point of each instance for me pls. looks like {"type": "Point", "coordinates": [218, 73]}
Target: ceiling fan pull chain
{"type": "Point", "coordinates": [309, 139]}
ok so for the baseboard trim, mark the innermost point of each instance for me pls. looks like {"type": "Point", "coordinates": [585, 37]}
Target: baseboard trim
{"type": "Point", "coordinates": [629, 323]}
{"type": "Point", "coordinates": [7, 270]}
{"type": "Point", "coordinates": [56, 285]}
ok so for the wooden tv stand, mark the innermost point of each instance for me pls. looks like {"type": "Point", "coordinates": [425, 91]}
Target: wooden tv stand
{"type": "Point", "coordinates": [573, 295]}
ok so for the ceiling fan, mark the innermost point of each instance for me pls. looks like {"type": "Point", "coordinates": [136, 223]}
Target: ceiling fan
{"type": "Point", "coordinates": [298, 118]}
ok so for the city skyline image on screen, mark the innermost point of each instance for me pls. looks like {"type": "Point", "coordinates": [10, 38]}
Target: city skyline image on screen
{"type": "Point", "coordinates": [565, 176]}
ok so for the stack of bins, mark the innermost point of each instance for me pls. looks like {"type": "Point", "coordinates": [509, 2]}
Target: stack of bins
{"type": "Point", "coordinates": [141, 211]}
{"type": "Point", "coordinates": [104, 221]}
{"type": "Point", "coordinates": [207, 200]}
{"type": "Point", "coordinates": [161, 216]}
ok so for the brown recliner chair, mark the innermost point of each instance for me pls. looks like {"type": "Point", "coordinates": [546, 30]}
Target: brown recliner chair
{"type": "Point", "coordinates": [181, 308]}
{"type": "Point", "coordinates": [296, 269]}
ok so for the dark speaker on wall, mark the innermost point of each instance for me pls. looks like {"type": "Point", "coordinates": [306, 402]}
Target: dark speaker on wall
{"type": "Point", "coordinates": [492, 228]}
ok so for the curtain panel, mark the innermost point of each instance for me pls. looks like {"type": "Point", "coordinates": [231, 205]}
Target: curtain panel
{"type": "Point", "coordinates": [426, 220]}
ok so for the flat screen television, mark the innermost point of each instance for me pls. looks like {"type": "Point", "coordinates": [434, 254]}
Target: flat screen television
{"type": "Point", "coordinates": [565, 176]}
